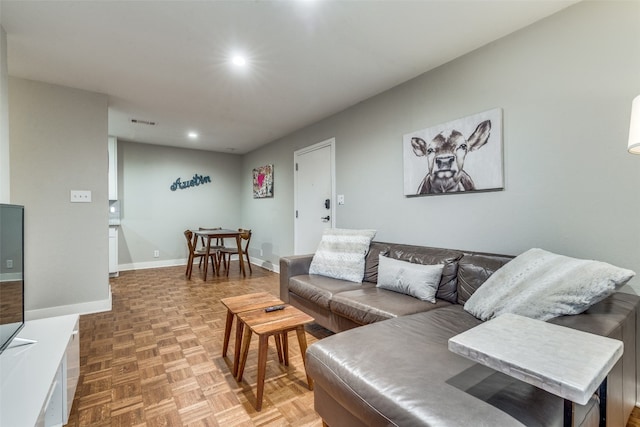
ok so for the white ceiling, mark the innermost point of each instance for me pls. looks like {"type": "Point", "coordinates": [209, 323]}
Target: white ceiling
{"type": "Point", "coordinates": [169, 61]}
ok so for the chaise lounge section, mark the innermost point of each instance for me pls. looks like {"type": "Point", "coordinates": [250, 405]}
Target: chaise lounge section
{"type": "Point", "coordinates": [390, 363]}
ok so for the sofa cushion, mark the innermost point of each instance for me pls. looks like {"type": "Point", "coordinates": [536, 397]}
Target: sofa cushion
{"type": "Point", "coordinates": [416, 280]}
{"type": "Point", "coordinates": [474, 269]}
{"type": "Point", "coordinates": [319, 289]}
{"type": "Point", "coordinates": [447, 289]}
{"type": "Point", "coordinates": [341, 254]}
{"type": "Point", "coordinates": [543, 285]}
{"type": "Point", "coordinates": [373, 304]}
{"type": "Point", "coordinates": [371, 260]}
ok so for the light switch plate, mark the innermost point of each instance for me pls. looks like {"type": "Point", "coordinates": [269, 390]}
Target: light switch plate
{"type": "Point", "coordinates": [80, 196]}
{"type": "Point", "coordinates": [341, 199]}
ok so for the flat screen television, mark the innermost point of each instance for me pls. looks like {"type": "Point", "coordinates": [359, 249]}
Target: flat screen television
{"type": "Point", "coordinates": [11, 272]}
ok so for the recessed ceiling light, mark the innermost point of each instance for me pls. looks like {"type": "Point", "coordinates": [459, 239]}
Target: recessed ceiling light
{"type": "Point", "coordinates": [192, 135]}
{"type": "Point", "coordinates": [239, 60]}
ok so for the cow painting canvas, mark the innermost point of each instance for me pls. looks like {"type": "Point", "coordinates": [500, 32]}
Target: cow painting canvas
{"type": "Point", "coordinates": [463, 155]}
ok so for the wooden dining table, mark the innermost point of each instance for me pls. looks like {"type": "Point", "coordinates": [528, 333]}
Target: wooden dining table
{"type": "Point", "coordinates": [219, 233]}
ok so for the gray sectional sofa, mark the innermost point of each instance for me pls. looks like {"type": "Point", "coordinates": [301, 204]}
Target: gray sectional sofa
{"type": "Point", "coordinates": [389, 364]}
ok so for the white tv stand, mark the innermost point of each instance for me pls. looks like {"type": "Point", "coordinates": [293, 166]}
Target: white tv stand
{"type": "Point", "coordinates": [38, 381]}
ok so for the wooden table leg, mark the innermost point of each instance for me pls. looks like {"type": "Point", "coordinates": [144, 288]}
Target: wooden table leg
{"type": "Point", "coordinates": [237, 347]}
{"type": "Point", "coordinates": [246, 341]}
{"type": "Point", "coordinates": [262, 367]}
{"type": "Point", "coordinates": [190, 261]}
{"type": "Point", "coordinates": [279, 347]}
{"type": "Point", "coordinates": [285, 347]}
{"type": "Point", "coordinates": [206, 258]}
{"type": "Point", "coordinates": [227, 333]}
{"type": "Point", "coordinates": [302, 341]}
{"type": "Point", "coordinates": [239, 244]}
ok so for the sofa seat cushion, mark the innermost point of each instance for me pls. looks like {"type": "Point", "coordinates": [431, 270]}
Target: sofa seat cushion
{"type": "Point", "coordinates": [320, 289]}
{"type": "Point", "coordinates": [373, 304]}
{"type": "Point", "coordinates": [401, 369]}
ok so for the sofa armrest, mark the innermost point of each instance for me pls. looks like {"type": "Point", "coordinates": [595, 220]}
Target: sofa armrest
{"type": "Point", "coordinates": [290, 266]}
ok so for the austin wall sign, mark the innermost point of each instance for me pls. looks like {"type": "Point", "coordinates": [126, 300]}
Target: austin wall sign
{"type": "Point", "coordinates": [193, 182]}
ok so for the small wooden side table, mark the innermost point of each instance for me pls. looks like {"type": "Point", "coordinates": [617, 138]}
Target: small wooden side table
{"type": "Point", "coordinates": [264, 325]}
{"type": "Point", "coordinates": [238, 304]}
{"type": "Point", "coordinates": [569, 363]}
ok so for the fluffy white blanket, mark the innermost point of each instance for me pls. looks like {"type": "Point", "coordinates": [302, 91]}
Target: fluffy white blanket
{"type": "Point", "coordinates": [543, 285]}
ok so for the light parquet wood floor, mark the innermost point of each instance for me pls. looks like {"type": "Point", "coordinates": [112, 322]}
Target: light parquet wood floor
{"type": "Point", "coordinates": [634, 420]}
{"type": "Point", "coordinates": [155, 358]}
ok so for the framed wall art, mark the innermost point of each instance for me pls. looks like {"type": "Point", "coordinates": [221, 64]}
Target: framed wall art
{"type": "Point", "coordinates": [263, 182]}
{"type": "Point", "coordinates": [463, 155]}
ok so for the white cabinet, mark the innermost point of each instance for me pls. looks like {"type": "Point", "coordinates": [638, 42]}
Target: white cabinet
{"type": "Point", "coordinates": [72, 370]}
{"type": "Point", "coordinates": [113, 251]}
{"type": "Point", "coordinates": [38, 381]}
{"type": "Point", "coordinates": [113, 168]}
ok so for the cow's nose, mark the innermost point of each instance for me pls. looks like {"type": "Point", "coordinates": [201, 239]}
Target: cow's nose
{"type": "Point", "coordinates": [445, 162]}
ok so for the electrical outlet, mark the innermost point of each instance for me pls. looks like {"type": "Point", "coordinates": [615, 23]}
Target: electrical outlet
{"type": "Point", "coordinates": [156, 253]}
{"type": "Point", "coordinates": [9, 263]}
{"type": "Point", "coordinates": [80, 196]}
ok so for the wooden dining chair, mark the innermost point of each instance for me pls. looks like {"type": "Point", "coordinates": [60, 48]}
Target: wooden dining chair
{"type": "Point", "coordinates": [226, 252]}
{"type": "Point", "coordinates": [196, 253]}
{"type": "Point", "coordinates": [215, 248]}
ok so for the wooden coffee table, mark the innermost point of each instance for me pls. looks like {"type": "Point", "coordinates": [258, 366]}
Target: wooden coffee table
{"type": "Point", "coordinates": [264, 325]}
{"type": "Point", "coordinates": [238, 304]}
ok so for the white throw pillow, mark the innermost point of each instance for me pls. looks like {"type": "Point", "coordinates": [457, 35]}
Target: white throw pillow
{"type": "Point", "coordinates": [341, 254]}
{"type": "Point", "coordinates": [419, 281]}
{"type": "Point", "coordinates": [543, 285]}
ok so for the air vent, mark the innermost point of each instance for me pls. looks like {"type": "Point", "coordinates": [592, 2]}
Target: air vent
{"type": "Point", "coordinates": [143, 122]}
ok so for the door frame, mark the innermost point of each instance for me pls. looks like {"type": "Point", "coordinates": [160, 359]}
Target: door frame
{"type": "Point", "coordinates": [331, 142]}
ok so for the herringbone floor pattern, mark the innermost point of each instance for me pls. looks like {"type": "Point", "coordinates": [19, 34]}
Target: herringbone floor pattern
{"type": "Point", "coordinates": [155, 358]}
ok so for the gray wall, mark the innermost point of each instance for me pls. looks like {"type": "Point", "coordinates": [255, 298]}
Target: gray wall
{"type": "Point", "coordinates": [154, 218]}
{"type": "Point", "coordinates": [5, 165]}
{"type": "Point", "coordinates": [270, 219]}
{"type": "Point", "coordinates": [565, 85]}
{"type": "Point", "coordinates": [58, 142]}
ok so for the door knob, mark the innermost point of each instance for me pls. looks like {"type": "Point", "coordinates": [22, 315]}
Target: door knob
{"type": "Point", "coordinates": [326, 218]}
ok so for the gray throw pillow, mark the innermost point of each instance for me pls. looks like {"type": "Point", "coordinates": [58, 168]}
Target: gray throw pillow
{"type": "Point", "coordinates": [419, 281]}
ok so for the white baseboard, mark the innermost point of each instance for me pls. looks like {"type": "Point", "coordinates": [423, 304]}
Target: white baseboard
{"type": "Point", "coordinates": [174, 262]}
{"type": "Point", "coordinates": [268, 265]}
{"type": "Point", "coordinates": [152, 264]}
{"type": "Point", "coordinates": [81, 308]}
{"type": "Point", "coordinates": [10, 277]}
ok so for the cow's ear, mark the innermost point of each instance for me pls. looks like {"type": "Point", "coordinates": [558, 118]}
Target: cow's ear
{"type": "Point", "coordinates": [480, 136]}
{"type": "Point", "coordinates": [419, 146]}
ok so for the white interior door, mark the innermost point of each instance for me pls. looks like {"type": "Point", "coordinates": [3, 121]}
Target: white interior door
{"type": "Point", "coordinates": [314, 187]}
